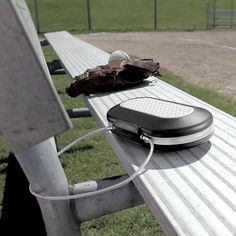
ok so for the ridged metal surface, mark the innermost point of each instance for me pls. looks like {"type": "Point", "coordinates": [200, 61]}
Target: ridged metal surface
{"type": "Point", "coordinates": [190, 192]}
{"type": "Point", "coordinates": [25, 119]}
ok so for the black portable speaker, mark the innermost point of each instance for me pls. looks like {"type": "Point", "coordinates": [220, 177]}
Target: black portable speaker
{"type": "Point", "coordinates": [167, 123]}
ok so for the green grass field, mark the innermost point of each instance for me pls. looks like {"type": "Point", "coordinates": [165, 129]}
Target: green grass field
{"type": "Point", "coordinates": [123, 15]}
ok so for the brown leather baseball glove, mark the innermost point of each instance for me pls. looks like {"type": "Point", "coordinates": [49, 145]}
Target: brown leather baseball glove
{"type": "Point", "coordinates": [103, 78]}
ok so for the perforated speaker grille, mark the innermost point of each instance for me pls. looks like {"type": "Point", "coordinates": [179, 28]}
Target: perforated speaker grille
{"type": "Point", "coordinates": [158, 108]}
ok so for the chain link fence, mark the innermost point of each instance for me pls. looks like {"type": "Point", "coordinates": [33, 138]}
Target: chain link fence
{"type": "Point", "coordinates": [221, 13]}
{"type": "Point", "coordinates": [126, 15]}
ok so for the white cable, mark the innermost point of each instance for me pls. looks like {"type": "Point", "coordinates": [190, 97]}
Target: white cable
{"type": "Point", "coordinates": [139, 171]}
{"type": "Point", "coordinates": [82, 138]}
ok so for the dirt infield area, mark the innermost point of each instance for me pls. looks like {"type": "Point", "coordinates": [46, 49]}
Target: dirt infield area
{"type": "Point", "coordinates": [206, 58]}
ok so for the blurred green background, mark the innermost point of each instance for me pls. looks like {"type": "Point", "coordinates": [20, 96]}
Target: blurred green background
{"type": "Point", "coordinates": [129, 15]}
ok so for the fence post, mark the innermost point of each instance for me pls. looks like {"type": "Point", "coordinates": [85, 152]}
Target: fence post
{"type": "Point", "coordinates": [89, 16]}
{"type": "Point", "coordinates": [207, 14]}
{"type": "Point", "coordinates": [37, 16]}
{"type": "Point", "coordinates": [155, 14]}
{"type": "Point", "coordinates": [214, 14]}
{"type": "Point", "coordinates": [231, 15]}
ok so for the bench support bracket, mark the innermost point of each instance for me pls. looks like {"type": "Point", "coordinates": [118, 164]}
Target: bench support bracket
{"type": "Point", "coordinates": [99, 205]}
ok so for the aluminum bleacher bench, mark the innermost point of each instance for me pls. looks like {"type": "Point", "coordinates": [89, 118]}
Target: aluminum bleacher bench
{"type": "Point", "coordinates": [191, 191]}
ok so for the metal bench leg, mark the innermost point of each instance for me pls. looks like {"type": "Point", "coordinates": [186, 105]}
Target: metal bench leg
{"type": "Point", "coordinates": [46, 176]}
{"type": "Point", "coordinates": [78, 112]}
{"type": "Point", "coordinates": [55, 68]}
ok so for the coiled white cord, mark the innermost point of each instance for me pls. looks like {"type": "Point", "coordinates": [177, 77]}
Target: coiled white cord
{"type": "Point", "coordinates": [82, 138]}
{"type": "Point", "coordinates": [139, 171]}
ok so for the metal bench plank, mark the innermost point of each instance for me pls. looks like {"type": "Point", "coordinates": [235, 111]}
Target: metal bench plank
{"type": "Point", "coordinates": [190, 192]}
{"type": "Point", "coordinates": [74, 52]}
{"type": "Point", "coordinates": [26, 92]}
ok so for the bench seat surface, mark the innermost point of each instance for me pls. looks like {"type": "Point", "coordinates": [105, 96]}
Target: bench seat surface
{"type": "Point", "coordinates": [190, 192]}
